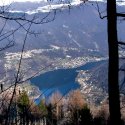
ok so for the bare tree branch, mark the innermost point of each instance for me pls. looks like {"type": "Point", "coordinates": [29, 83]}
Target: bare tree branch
{"type": "Point", "coordinates": [100, 13]}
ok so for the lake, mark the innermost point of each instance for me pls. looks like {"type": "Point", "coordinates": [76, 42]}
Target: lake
{"type": "Point", "coordinates": [62, 80]}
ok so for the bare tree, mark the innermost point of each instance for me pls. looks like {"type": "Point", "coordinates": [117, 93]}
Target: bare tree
{"type": "Point", "coordinates": [113, 69]}
{"type": "Point", "coordinates": [113, 76]}
{"type": "Point", "coordinates": [76, 102]}
{"type": "Point", "coordinates": [57, 104]}
{"type": "Point", "coordinates": [21, 22]}
{"type": "Point", "coordinates": [76, 99]}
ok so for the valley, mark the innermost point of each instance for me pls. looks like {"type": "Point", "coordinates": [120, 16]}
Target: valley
{"type": "Point", "coordinates": [64, 44]}
{"type": "Point", "coordinates": [43, 71]}
{"type": "Point", "coordinates": [62, 62]}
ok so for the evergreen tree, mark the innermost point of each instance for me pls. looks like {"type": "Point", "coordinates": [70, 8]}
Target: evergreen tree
{"type": "Point", "coordinates": [43, 108]}
{"type": "Point", "coordinates": [23, 107]}
{"type": "Point", "coordinates": [85, 116]}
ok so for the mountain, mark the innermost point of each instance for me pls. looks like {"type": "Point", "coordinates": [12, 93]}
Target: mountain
{"type": "Point", "coordinates": [94, 82]}
{"type": "Point", "coordinates": [75, 37]}
{"type": "Point", "coordinates": [86, 31]}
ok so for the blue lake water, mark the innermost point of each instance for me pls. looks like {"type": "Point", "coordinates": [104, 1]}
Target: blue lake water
{"type": "Point", "coordinates": [62, 80]}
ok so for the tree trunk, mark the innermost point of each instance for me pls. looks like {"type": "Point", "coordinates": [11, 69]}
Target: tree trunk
{"type": "Point", "coordinates": [113, 79]}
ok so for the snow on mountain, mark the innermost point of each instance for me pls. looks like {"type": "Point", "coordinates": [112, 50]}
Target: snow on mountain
{"type": "Point", "coordinates": [50, 7]}
{"type": "Point", "coordinates": [85, 31]}
{"type": "Point", "coordinates": [31, 7]}
{"type": "Point", "coordinates": [3, 2]}
{"type": "Point", "coordinates": [36, 6]}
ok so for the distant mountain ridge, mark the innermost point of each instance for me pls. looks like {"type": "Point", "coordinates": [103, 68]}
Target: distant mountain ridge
{"type": "Point", "coordinates": [85, 31]}
{"type": "Point", "coordinates": [43, 5]}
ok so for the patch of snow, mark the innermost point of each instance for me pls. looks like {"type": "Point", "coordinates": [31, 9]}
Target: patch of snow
{"type": "Point", "coordinates": [55, 47]}
{"type": "Point", "coordinates": [76, 43]}
{"type": "Point", "coordinates": [68, 56]}
{"type": "Point", "coordinates": [65, 26]}
{"type": "Point", "coordinates": [96, 46]}
{"type": "Point", "coordinates": [49, 33]}
{"type": "Point", "coordinates": [70, 35]}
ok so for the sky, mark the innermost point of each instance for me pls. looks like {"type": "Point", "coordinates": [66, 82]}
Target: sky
{"type": "Point", "coordinates": [5, 2]}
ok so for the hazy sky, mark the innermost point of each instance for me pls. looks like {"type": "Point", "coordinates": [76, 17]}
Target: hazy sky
{"type": "Point", "coordinates": [10, 1]}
